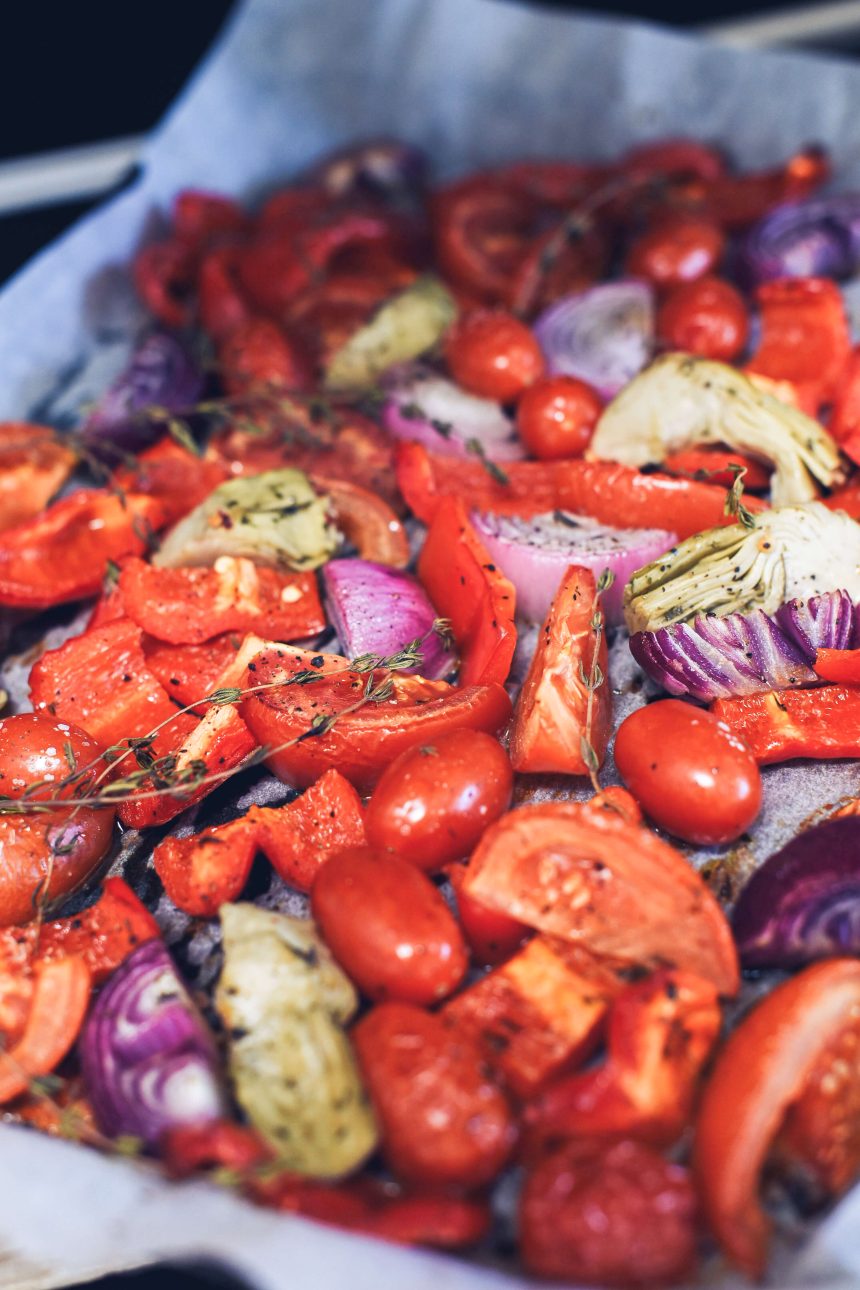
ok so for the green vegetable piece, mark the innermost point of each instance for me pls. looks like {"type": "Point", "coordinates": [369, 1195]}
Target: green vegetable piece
{"type": "Point", "coordinates": [275, 518]}
{"type": "Point", "coordinates": [285, 1005]}
{"type": "Point", "coordinates": [406, 326]}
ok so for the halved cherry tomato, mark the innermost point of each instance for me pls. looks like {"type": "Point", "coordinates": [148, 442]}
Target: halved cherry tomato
{"type": "Point", "coordinates": [362, 743]}
{"type": "Point", "coordinates": [492, 937]}
{"type": "Point", "coordinates": [821, 1135]}
{"type": "Point", "coordinates": [764, 1068]}
{"type": "Point", "coordinates": [434, 801]}
{"type": "Point", "coordinates": [707, 317]}
{"type": "Point", "coordinates": [388, 927]}
{"type": "Point", "coordinates": [609, 1215]}
{"type": "Point", "coordinates": [59, 1005]}
{"type": "Point", "coordinates": [562, 721]}
{"type": "Point", "coordinates": [366, 520]}
{"type": "Point", "coordinates": [689, 772]}
{"type": "Point", "coordinates": [556, 417]}
{"type": "Point", "coordinates": [443, 1122]}
{"type": "Point", "coordinates": [34, 462]}
{"type": "Point", "coordinates": [678, 248]}
{"type": "Point", "coordinates": [805, 336]}
{"type": "Point", "coordinates": [494, 355]}
{"type": "Point", "coordinates": [581, 871]}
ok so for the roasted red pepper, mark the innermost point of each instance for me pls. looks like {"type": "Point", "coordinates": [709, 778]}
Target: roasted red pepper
{"type": "Point", "coordinates": [189, 673]}
{"type": "Point", "coordinates": [201, 218]}
{"type": "Point", "coordinates": [366, 521]}
{"type": "Point", "coordinates": [178, 479]}
{"type": "Point", "coordinates": [805, 336]}
{"type": "Point", "coordinates": [164, 274]}
{"type": "Point", "coordinates": [845, 418]}
{"type": "Point", "coordinates": [714, 466]}
{"type": "Point", "coordinates": [59, 1004]}
{"type": "Point", "coordinates": [605, 490]}
{"type": "Point", "coordinates": [258, 355]}
{"type": "Point", "coordinates": [63, 555]}
{"type": "Point", "coordinates": [823, 723]}
{"type": "Point", "coordinates": [736, 201]}
{"type": "Point", "coordinates": [839, 665]}
{"type": "Point", "coordinates": [466, 587]}
{"type": "Point", "coordinates": [34, 463]}
{"type": "Point", "coordinates": [483, 228]}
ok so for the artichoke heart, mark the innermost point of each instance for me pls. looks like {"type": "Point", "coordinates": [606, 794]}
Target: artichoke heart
{"type": "Point", "coordinates": [285, 1004]}
{"type": "Point", "coordinates": [681, 400]}
{"type": "Point", "coordinates": [275, 518]}
{"type": "Point", "coordinates": [793, 552]}
{"type": "Point", "coordinates": [405, 327]}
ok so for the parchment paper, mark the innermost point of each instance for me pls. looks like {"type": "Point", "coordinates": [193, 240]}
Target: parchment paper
{"type": "Point", "coordinates": [474, 81]}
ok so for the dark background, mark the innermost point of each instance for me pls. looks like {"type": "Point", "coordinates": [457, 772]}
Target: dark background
{"type": "Point", "coordinates": [84, 72]}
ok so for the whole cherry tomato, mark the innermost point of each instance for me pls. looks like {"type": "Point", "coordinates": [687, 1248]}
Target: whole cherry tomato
{"type": "Point", "coordinates": [677, 249]}
{"type": "Point", "coordinates": [388, 926]}
{"type": "Point", "coordinates": [434, 801]}
{"type": "Point", "coordinates": [493, 354]}
{"type": "Point", "coordinates": [614, 1215]}
{"type": "Point", "coordinates": [442, 1120]}
{"type": "Point", "coordinates": [689, 771]}
{"type": "Point", "coordinates": [707, 317]}
{"type": "Point", "coordinates": [35, 747]}
{"type": "Point", "coordinates": [556, 417]}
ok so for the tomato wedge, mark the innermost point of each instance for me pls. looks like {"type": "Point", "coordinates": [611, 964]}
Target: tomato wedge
{"type": "Point", "coordinates": [34, 462]}
{"type": "Point", "coordinates": [763, 1069]}
{"type": "Point", "coordinates": [366, 520]}
{"type": "Point", "coordinates": [608, 492]}
{"type": "Point", "coordinates": [57, 1012]}
{"type": "Point", "coordinates": [466, 587]}
{"type": "Point", "coordinates": [582, 872]}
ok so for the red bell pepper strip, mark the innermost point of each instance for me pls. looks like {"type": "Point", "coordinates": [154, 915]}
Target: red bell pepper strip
{"type": "Point", "coordinates": [823, 723]}
{"type": "Point", "coordinates": [839, 665]}
{"type": "Point", "coordinates": [563, 715]}
{"type": "Point", "coordinates": [736, 201]}
{"type": "Point", "coordinates": [109, 607]}
{"type": "Point", "coordinates": [537, 1014]}
{"type": "Point", "coordinates": [190, 606]}
{"type": "Point", "coordinates": [60, 1000]}
{"type": "Point", "coordinates": [714, 466]}
{"type": "Point", "coordinates": [844, 422]}
{"type": "Point", "coordinates": [189, 673]}
{"type": "Point", "coordinates": [202, 872]}
{"type": "Point", "coordinates": [608, 492]}
{"type": "Point", "coordinates": [178, 479]}
{"type": "Point", "coordinates": [805, 337]}
{"type": "Point", "coordinates": [847, 498]}
{"type": "Point", "coordinates": [34, 462]}
{"type": "Point", "coordinates": [62, 555]}
{"type": "Point", "coordinates": [660, 1033]}
{"type": "Point", "coordinates": [466, 587]}
{"type": "Point", "coordinates": [761, 1071]}
{"type": "Point", "coordinates": [100, 682]}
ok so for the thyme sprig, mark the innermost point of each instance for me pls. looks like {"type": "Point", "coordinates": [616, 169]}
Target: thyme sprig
{"type": "Point", "coordinates": [445, 429]}
{"type": "Point", "coordinates": [734, 505]}
{"type": "Point", "coordinates": [593, 681]}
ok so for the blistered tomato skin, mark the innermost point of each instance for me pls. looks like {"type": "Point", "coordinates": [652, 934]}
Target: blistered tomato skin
{"type": "Point", "coordinates": [689, 772]}
{"type": "Point", "coordinates": [388, 927]}
{"type": "Point", "coordinates": [494, 355]}
{"type": "Point", "coordinates": [434, 801]}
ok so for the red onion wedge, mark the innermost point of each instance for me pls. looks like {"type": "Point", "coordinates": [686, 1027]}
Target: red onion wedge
{"type": "Point", "coordinates": [816, 238]}
{"type": "Point", "coordinates": [378, 610]}
{"type": "Point", "coordinates": [148, 1059]}
{"type": "Point", "coordinates": [803, 903]}
{"type": "Point", "coordinates": [429, 409]}
{"type": "Point", "coordinates": [535, 554]}
{"type": "Point", "coordinates": [604, 335]}
{"type": "Point", "coordinates": [720, 657]}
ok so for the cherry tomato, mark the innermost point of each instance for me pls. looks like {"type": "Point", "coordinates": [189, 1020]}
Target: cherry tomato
{"type": "Point", "coordinates": [556, 417]}
{"type": "Point", "coordinates": [34, 747]}
{"type": "Point", "coordinates": [388, 926]}
{"type": "Point", "coordinates": [443, 1121]}
{"type": "Point", "coordinates": [492, 937]}
{"type": "Point", "coordinates": [493, 354]}
{"type": "Point", "coordinates": [689, 771]}
{"type": "Point", "coordinates": [616, 1215]}
{"type": "Point", "coordinates": [677, 249]}
{"type": "Point", "coordinates": [707, 317]}
{"type": "Point", "coordinates": [433, 802]}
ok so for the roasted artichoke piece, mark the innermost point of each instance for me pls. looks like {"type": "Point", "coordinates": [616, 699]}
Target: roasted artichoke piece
{"type": "Point", "coordinates": [285, 1004]}
{"type": "Point", "coordinates": [275, 518]}
{"type": "Point", "coordinates": [793, 552]}
{"type": "Point", "coordinates": [681, 400]}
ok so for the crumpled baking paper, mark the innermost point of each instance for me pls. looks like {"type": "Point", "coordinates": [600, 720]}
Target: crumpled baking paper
{"type": "Point", "coordinates": [475, 81]}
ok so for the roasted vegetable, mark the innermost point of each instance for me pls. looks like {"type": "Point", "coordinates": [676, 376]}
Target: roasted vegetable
{"type": "Point", "coordinates": [404, 328]}
{"type": "Point", "coordinates": [773, 557]}
{"type": "Point", "coordinates": [681, 400]}
{"type": "Point", "coordinates": [284, 1003]}
{"type": "Point", "coordinates": [275, 518]}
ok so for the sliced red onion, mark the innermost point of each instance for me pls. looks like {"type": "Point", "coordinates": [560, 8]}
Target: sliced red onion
{"type": "Point", "coordinates": [148, 1059]}
{"type": "Point", "coordinates": [378, 610]}
{"type": "Point", "coordinates": [604, 335]}
{"type": "Point", "coordinates": [719, 657]}
{"type": "Point", "coordinates": [803, 903]}
{"type": "Point", "coordinates": [386, 168]}
{"type": "Point", "coordinates": [535, 553]}
{"type": "Point", "coordinates": [431, 410]}
{"type": "Point", "coordinates": [160, 374]}
{"type": "Point", "coordinates": [816, 238]}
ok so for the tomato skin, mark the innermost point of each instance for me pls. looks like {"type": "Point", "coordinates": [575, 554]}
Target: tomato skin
{"type": "Point", "coordinates": [689, 772]}
{"type": "Point", "coordinates": [492, 937]}
{"type": "Point", "coordinates": [26, 843]}
{"type": "Point", "coordinates": [493, 354]}
{"type": "Point", "coordinates": [33, 748]}
{"type": "Point", "coordinates": [615, 1215]}
{"type": "Point", "coordinates": [675, 250]}
{"type": "Point", "coordinates": [388, 927]}
{"type": "Point", "coordinates": [706, 317]}
{"type": "Point", "coordinates": [556, 417]}
{"type": "Point", "coordinates": [433, 802]}
{"type": "Point", "coordinates": [443, 1122]}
